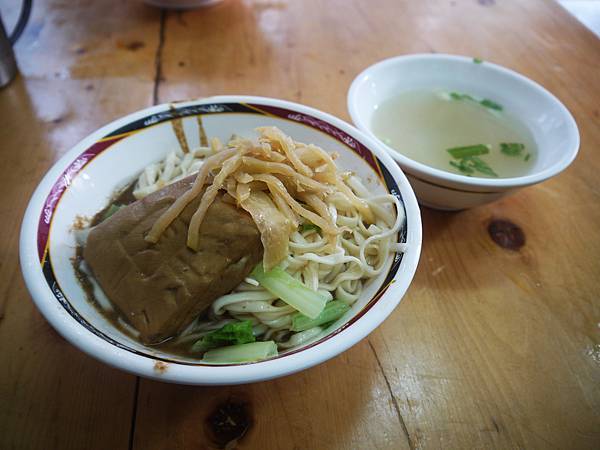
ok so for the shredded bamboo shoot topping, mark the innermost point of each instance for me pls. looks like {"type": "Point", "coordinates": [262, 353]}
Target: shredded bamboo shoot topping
{"type": "Point", "coordinates": [280, 182]}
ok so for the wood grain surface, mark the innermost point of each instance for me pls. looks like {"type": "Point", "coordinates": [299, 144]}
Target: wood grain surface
{"type": "Point", "coordinates": [490, 348]}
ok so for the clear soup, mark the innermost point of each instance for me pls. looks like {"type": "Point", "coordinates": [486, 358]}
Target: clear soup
{"type": "Point", "coordinates": [456, 132]}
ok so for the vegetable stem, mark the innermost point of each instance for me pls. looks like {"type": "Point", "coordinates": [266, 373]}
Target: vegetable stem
{"type": "Point", "coordinates": [281, 284]}
{"type": "Point", "coordinates": [254, 351]}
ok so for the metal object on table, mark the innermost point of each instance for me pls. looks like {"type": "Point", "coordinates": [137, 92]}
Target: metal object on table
{"type": "Point", "coordinates": [8, 65]}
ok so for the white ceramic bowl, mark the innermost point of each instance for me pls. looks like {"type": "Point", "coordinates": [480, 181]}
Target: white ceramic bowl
{"type": "Point", "coordinates": [554, 129]}
{"type": "Point", "coordinates": [83, 181]}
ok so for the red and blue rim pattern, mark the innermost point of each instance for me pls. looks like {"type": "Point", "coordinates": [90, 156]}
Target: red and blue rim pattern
{"type": "Point", "coordinates": [64, 181]}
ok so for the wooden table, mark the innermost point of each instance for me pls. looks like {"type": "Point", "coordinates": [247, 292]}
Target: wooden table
{"type": "Point", "coordinates": [491, 348]}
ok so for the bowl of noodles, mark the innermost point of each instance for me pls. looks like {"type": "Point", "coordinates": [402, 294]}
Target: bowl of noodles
{"type": "Point", "coordinates": [225, 240]}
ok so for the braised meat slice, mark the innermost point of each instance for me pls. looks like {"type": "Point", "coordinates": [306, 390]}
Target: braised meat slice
{"type": "Point", "coordinates": [160, 288]}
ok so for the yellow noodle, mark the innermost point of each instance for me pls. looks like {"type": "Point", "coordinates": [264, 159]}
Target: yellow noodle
{"type": "Point", "coordinates": [358, 203]}
{"type": "Point", "coordinates": [318, 205]}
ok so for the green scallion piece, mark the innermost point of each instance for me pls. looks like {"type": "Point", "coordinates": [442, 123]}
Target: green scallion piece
{"type": "Point", "coordinates": [512, 148]}
{"type": "Point", "coordinates": [333, 311]}
{"type": "Point", "coordinates": [480, 166]}
{"type": "Point", "coordinates": [471, 164]}
{"type": "Point", "coordinates": [527, 156]}
{"type": "Point", "coordinates": [477, 60]}
{"type": "Point", "coordinates": [461, 166]}
{"type": "Point", "coordinates": [459, 96]}
{"type": "Point", "coordinates": [469, 150]}
{"type": "Point", "coordinates": [491, 104]}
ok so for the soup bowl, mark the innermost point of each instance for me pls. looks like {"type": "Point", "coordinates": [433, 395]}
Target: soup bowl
{"type": "Point", "coordinates": [85, 179]}
{"type": "Point", "coordinates": [552, 126]}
